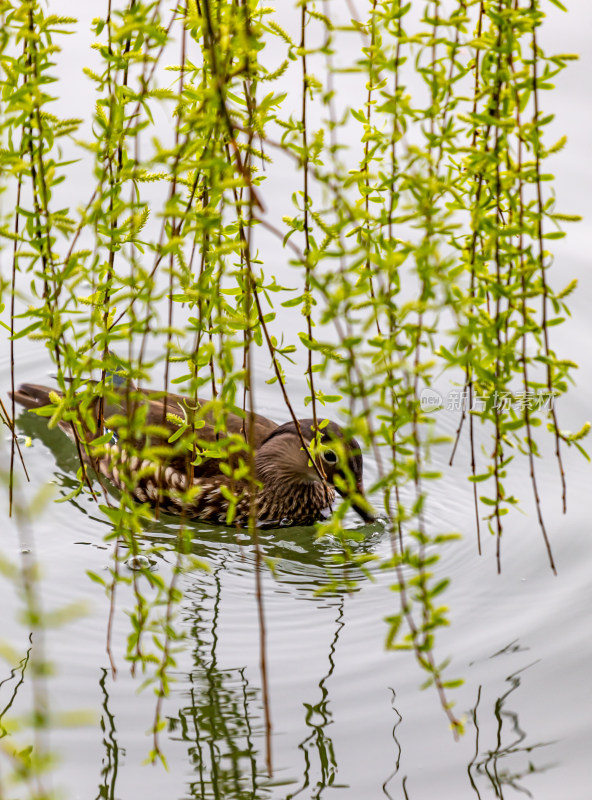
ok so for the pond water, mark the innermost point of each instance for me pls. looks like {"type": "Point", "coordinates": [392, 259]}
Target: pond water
{"type": "Point", "coordinates": [349, 719]}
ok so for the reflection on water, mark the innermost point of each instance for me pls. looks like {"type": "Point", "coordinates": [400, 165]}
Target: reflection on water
{"type": "Point", "coordinates": [65, 457]}
{"type": "Point", "coordinates": [318, 745]}
{"type": "Point", "coordinates": [222, 721]}
{"type": "Point", "coordinates": [222, 717]}
{"type": "Point", "coordinates": [110, 768]}
{"type": "Point", "coordinates": [12, 684]}
{"type": "Point", "coordinates": [398, 752]}
{"type": "Point", "coordinates": [62, 450]}
{"type": "Point", "coordinates": [493, 767]}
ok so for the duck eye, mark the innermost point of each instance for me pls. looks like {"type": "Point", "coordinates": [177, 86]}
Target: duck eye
{"type": "Point", "coordinates": [330, 456]}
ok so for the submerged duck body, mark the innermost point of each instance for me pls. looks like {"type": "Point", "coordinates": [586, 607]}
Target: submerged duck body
{"type": "Point", "coordinates": [288, 489]}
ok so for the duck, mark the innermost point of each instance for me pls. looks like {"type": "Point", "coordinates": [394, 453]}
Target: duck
{"type": "Point", "coordinates": [299, 468]}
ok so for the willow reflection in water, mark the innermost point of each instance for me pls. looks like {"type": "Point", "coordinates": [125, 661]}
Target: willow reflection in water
{"type": "Point", "coordinates": [11, 685]}
{"type": "Point", "coordinates": [220, 721]}
{"type": "Point", "coordinates": [318, 718]}
{"type": "Point", "coordinates": [223, 721]}
{"type": "Point", "coordinates": [110, 768]}
{"type": "Point", "coordinates": [493, 767]}
{"type": "Point", "coordinates": [490, 768]}
{"type": "Point", "coordinates": [221, 717]}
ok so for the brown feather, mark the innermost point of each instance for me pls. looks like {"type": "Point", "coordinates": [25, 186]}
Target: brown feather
{"type": "Point", "coordinates": [290, 491]}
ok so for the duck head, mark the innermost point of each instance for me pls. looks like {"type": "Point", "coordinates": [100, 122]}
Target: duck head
{"type": "Point", "coordinates": [338, 458]}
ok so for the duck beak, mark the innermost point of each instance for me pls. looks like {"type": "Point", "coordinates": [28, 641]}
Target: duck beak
{"type": "Point", "coordinates": [361, 506]}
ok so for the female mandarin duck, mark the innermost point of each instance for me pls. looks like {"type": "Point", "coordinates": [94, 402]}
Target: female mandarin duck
{"type": "Point", "coordinates": [290, 488]}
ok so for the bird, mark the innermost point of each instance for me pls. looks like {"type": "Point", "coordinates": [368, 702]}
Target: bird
{"type": "Point", "coordinates": [193, 460]}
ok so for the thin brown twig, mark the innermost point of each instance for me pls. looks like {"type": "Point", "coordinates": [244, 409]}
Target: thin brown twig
{"type": "Point", "coordinates": [305, 200]}
{"type": "Point", "coordinates": [11, 418]}
{"type": "Point", "coordinates": [250, 295]}
{"type": "Point", "coordinates": [14, 443]}
{"type": "Point", "coordinates": [541, 258]}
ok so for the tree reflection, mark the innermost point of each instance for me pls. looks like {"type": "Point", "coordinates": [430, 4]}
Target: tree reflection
{"type": "Point", "coordinates": [21, 669]}
{"type": "Point", "coordinates": [222, 720]}
{"type": "Point", "coordinates": [318, 718]}
{"type": "Point", "coordinates": [219, 721]}
{"type": "Point", "coordinates": [110, 768]}
{"type": "Point", "coordinates": [399, 751]}
{"type": "Point", "coordinates": [493, 767]}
